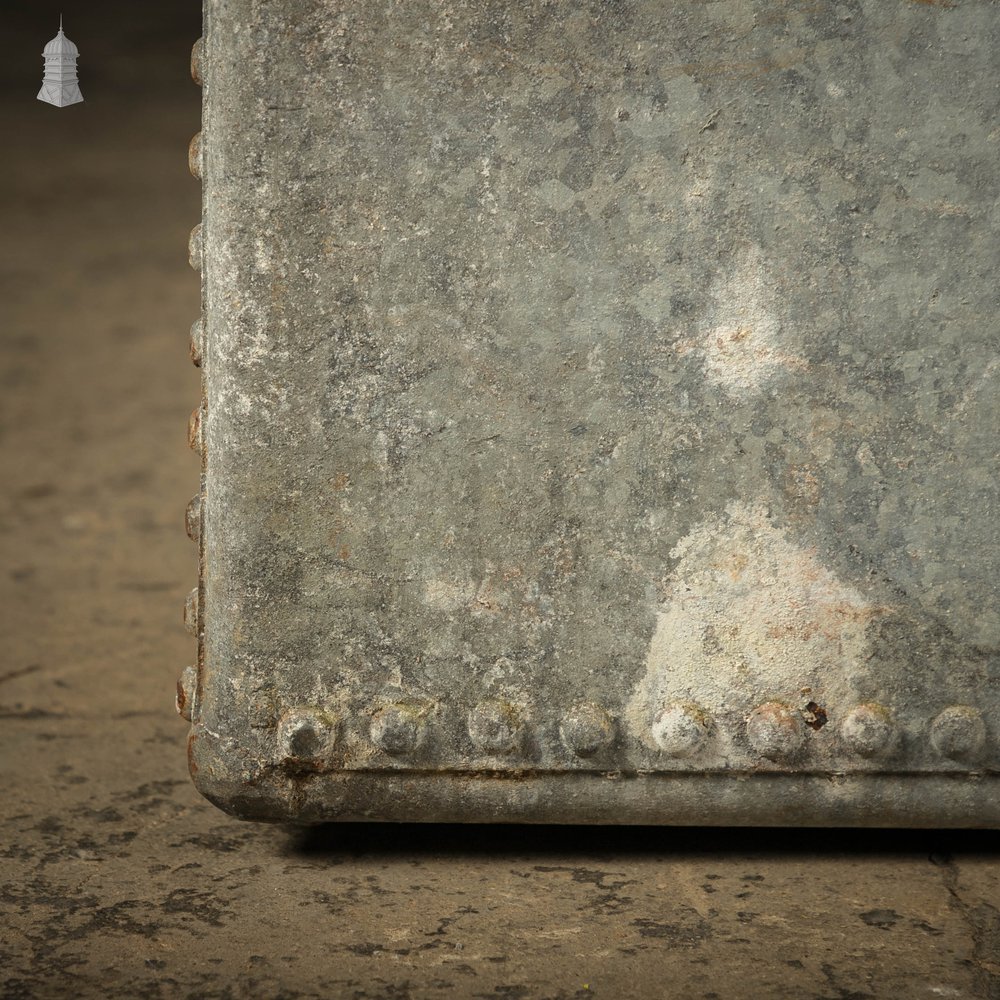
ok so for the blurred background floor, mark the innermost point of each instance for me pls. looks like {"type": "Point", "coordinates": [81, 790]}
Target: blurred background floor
{"type": "Point", "coordinates": [116, 878]}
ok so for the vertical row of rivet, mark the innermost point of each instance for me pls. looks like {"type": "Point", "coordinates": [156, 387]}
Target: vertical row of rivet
{"type": "Point", "coordinates": [187, 685]}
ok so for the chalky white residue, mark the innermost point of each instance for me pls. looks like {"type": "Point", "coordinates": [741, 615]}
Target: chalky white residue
{"type": "Point", "coordinates": [741, 343]}
{"type": "Point", "coordinates": [449, 595]}
{"type": "Point", "coordinates": [748, 616]}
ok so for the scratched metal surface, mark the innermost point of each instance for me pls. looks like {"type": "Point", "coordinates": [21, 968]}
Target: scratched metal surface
{"type": "Point", "coordinates": [600, 412]}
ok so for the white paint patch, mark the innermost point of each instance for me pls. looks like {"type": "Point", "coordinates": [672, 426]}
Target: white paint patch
{"type": "Point", "coordinates": [749, 616]}
{"type": "Point", "coordinates": [741, 343]}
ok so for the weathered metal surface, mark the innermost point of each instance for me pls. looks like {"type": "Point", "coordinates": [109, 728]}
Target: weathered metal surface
{"type": "Point", "coordinates": [600, 412]}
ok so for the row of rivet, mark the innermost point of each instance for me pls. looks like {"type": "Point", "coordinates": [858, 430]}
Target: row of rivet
{"type": "Point", "coordinates": [775, 730]}
{"type": "Point", "coordinates": [778, 731]}
{"type": "Point", "coordinates": [187, 684]}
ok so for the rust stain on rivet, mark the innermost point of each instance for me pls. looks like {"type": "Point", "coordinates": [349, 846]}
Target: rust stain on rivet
{"type": "Point", "coordinates": [194, 429]}
{"type": "Point", "coordinates": [195, 342]}
{"type": "Point", "coordinates": [197, 53]}
{"type": "Point", "coordinates": [586, 729]}
{"type": "Point", "coordinates": [495, 727]}
{"type": "Point", "coordinates": [192, 518]}
{"type": "Point", "coordinates": [194, 156]}
{"type": "Point", "coordinates": [774, 730]}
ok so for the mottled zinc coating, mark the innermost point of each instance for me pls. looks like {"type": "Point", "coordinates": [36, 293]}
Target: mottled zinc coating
{"type": "Point", "coordinates": [606, 388]}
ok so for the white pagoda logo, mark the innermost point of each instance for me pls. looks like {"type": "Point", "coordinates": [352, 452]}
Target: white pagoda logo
{"type": "Point", "coordinates": [59, 85]}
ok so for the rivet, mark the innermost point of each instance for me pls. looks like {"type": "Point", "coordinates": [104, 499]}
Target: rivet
{"type": "Point", "coordinates": [775, 730]}
{"type": "Point", "coordinates": [196, 341]}
{"type": "Point", "coordinates": [191, 612]}
{"type": "Point", "coordinates": [192, 518]}
{"type": "Point", "coordinates": [187, 684]}
{"type": "Point", "coordinates": [194, 155]}
{"type": "Point", "coordinates": [305, 736]}
{"type": "Point", "coordinates": [586, 729]}
{"type": "Point", "coordinates": [195, 248]}
{"type": "Point", "coordinates": [195, 428]}
{"type": "Point", "coordinates": [959, 733]}
{"type": "Point", "coordinates": [681, 729]}
{"type": "Point", "coordinates": [399, 728]}
{"type": "Point", "coordinates": [868, 730]}
{"type": "Point", "coordinates": [495, 727]}
{"type": "Point", "coordinates": [197, 53]}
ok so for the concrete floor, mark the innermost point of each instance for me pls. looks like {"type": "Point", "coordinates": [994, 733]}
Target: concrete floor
{"type": "Point", "coordinates": [117, 878]}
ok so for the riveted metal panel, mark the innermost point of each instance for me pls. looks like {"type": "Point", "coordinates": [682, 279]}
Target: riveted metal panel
{"type": "Point", "coordinates": [600, 412]}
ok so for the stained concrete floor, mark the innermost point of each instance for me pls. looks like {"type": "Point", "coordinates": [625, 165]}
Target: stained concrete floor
{"type": "Point", "coordinates": [117, 878]}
